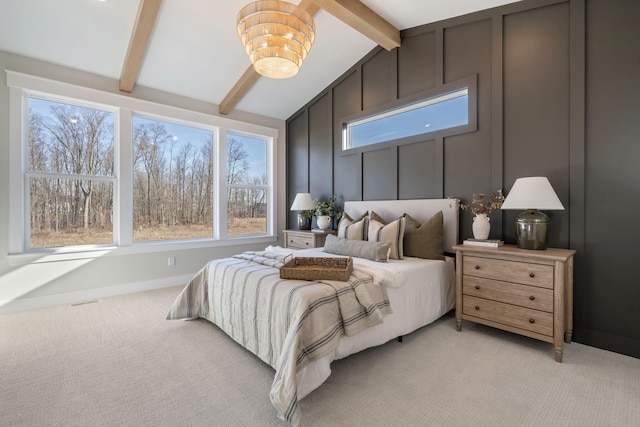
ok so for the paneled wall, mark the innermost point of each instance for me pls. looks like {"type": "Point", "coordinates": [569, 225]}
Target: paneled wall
{"type": "Point", "coordinates": [558, 94]}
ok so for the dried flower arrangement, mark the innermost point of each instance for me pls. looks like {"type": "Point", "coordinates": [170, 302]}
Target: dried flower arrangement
{"type": "Point", "coordinates": [484, 205]}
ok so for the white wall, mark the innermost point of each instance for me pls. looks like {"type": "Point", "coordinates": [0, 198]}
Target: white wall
{"type": "Point", "coordinates": [52, 280]}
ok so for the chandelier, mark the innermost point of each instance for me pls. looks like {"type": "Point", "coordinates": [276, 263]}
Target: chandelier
{"type": "Point", "coordinates": [277, 36]}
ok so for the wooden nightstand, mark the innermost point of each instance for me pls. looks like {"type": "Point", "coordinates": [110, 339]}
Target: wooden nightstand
{"type": "Point", "coordinates": [528, 292]}
{"type": "Point", "coordinates": [305, 239]}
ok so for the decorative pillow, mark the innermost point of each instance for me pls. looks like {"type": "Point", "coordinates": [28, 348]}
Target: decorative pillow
{"type": "Point", "coordinates": [393, 232]}
{"type": "Point", "coordinates": [353, 229]}
{"type": "Point", "coordinates": [357, 248]}
{"type": "Point", "coordinates": [424, 240]}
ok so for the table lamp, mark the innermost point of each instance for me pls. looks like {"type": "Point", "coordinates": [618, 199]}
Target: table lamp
{"type": "Point", "coordinates": [532, 226]}
{"type": "Point", "coordinates": [303, 202]}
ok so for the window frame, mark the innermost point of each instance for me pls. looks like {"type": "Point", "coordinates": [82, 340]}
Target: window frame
{"type": "Point", "coordinates": [268, 188]}
{"type": "Point", "coordinates": [469, 83]}
{"type": "Point", "coordinates": [21, 86]}
{"type": "Point", "coordinates": [28, 174]}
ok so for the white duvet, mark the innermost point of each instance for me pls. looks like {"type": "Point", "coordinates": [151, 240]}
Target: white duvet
{"type": "Point", "coordinates": [420, 291]}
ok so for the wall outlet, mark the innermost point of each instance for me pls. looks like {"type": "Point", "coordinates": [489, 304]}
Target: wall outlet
{"type": "Point", "coordinates": [171, 261]}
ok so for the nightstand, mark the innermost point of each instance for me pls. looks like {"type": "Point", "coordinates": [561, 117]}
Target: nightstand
{"type": "Point", "coordinates": [528, 292]}
{"type": "Point", "coordinates": [305, 239]}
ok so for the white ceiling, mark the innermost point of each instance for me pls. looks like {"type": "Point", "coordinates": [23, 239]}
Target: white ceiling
{"type": "Point", "coordinates": [194, 50]}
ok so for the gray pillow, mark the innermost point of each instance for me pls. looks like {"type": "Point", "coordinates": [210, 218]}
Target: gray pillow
{"type": "Point", "coordinates": [424, 240]}
{"type": "Point", "coordinates": [375, 251]}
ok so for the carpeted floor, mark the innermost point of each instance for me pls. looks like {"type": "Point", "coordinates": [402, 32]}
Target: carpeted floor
{"type": "Point", "coordinates": [118, 362]}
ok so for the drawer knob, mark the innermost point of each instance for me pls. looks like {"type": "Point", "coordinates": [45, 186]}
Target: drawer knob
{"type": "Point", "coordinates": [477, 267]}
{"type": "Point", "coordinates": [477, 307]}
{"type": "Point", "coordinates": [532, 275]}
{"type": "Point", "coordinates": [307, 243]}
{"type": "Point", "coordinates": [532, 298]}
{"type": "Point", "coordinates": [532, 321]}
{"type": "Point", "coordinates": [477, 286]}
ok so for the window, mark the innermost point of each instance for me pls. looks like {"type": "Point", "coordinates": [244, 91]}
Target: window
{"type": "Point", "coordinates": [91, 168]}
{"type": "Point", "coordinates": [70, 174]}
{"type": "Point", "coordinates": [172, 181]}
{"type": "Point", "coordinates": [445, 111]}
{"type": "Point", "coordinates": [247, 185]}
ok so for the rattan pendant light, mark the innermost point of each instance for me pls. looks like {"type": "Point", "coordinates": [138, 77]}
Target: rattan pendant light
{"type": "Point", "coordinates": [277, 36]}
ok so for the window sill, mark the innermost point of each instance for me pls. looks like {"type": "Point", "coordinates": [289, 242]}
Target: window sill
{"type": "Point", "coordinates": [93, 252]}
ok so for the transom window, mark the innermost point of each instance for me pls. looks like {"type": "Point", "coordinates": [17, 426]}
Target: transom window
{"type": "Point", "coordinates": [438, 113]}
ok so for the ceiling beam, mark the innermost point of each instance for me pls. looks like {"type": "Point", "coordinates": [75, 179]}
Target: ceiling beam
{"type": "Point", "coordinates": [239, 90]}
{"type": "Point", "coordinates": [366, 21]}
{"type": "Point", "coordinates": [251, 76]}
{"type": "Point", "coordinates": [309, 6]}
{"type": "Point", "coordinates": [145, 21]}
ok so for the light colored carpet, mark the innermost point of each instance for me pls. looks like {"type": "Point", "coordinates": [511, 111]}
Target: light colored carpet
{"type": "Point", "coordinates": [118, 362]}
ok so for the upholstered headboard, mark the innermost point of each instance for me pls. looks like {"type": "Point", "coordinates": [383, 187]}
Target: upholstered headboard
{"type": "Point", "coordinates": [420, 209]}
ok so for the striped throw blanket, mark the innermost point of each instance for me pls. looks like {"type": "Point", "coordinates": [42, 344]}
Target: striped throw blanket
{"type": "Point", "coordinates": [286, 323]}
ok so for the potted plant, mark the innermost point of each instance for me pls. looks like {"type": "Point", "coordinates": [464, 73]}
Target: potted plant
{"type": "Point", "coordinates": [326, 210]}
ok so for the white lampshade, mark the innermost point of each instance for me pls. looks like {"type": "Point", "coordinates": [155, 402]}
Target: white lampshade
{"type": "Point", "coordinates": [302, 202]}
{"type": "Point", "coordinates": [533, 192]}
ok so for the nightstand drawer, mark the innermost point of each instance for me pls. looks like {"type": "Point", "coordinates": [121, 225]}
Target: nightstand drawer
{"type": "Point", "coordinates": [297, 241]}
{"type": "Point", "coordinates": [509, 271]}
{"type": "Point", "coordinates": [519, 317]}
{"type": "Point", "coordinates": [510, 293]}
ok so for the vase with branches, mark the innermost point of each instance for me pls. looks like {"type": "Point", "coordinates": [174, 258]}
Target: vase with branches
{"type": "Point", "coordinates": [481, 206]}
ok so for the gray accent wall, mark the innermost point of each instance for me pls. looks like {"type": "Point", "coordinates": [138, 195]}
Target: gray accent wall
{"type": "Point", "coordinates": [557, 94]}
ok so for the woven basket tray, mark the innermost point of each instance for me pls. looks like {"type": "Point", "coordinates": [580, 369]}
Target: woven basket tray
{"type": "Point", "coordinates": [317, 268]}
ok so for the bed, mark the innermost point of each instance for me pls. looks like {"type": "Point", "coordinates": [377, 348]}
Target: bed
{"type": "Point", "coordinates": [299, 327]}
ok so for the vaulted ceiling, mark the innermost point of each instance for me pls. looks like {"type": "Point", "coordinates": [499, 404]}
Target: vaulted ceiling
{"type": "Point", "coordinates": [190, 47]}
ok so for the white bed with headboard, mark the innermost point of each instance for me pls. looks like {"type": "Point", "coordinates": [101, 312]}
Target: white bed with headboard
{"type": "Point", "coordinates": [427, 294]}
{"type": "Point", "coordinates": [420, 209]}
{"type": "Point", "coordinates": [245, 297]}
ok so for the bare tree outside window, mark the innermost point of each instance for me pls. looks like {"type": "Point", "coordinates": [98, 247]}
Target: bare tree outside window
{"type": "Point", "coordinates": [247, 189]}
{"type": "Point", "coordinates": [71, 178]}
{"type": "Point", "coordinates": [173, 187]}
{"type": "Point", "coordinates": [70, 169]}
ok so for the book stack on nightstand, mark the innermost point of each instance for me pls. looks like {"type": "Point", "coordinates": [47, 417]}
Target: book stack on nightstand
{"type": "Point", "coordinates": [489, 243]}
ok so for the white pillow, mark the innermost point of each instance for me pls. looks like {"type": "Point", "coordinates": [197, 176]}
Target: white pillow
{"type": "Point", "coordinates": [351, 229]}
{"type": "Point", "coordinates": [393, 232]}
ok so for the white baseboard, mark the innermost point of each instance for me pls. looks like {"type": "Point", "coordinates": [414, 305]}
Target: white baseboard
{"type": "Point", "coordinates": [24, 304]}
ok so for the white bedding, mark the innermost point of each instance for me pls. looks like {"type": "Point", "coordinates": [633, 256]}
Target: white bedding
{"type": "Point", "coordinates": [418, 292]}
{"type": "Point", "coordinates": [427, 292]}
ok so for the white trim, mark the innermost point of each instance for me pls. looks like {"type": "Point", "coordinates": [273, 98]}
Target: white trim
{"type": "Point", "coordinates": [97, 251]}
{"type": "Point", "coordinates": [24, 304]}
{"type": "Point", "coordinates": [68, 90]}
{"type": "Point", "coordinates": [16, 180]}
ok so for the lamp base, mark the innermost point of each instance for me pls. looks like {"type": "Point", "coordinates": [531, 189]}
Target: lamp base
{"type": "Point", "coordinates": [532, 230]}
{"type": "Point", "coordinates": [304, 223]}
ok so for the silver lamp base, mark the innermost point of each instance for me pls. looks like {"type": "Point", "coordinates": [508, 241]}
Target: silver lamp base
{"type": "Point", "coordinates": [532, 230]}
